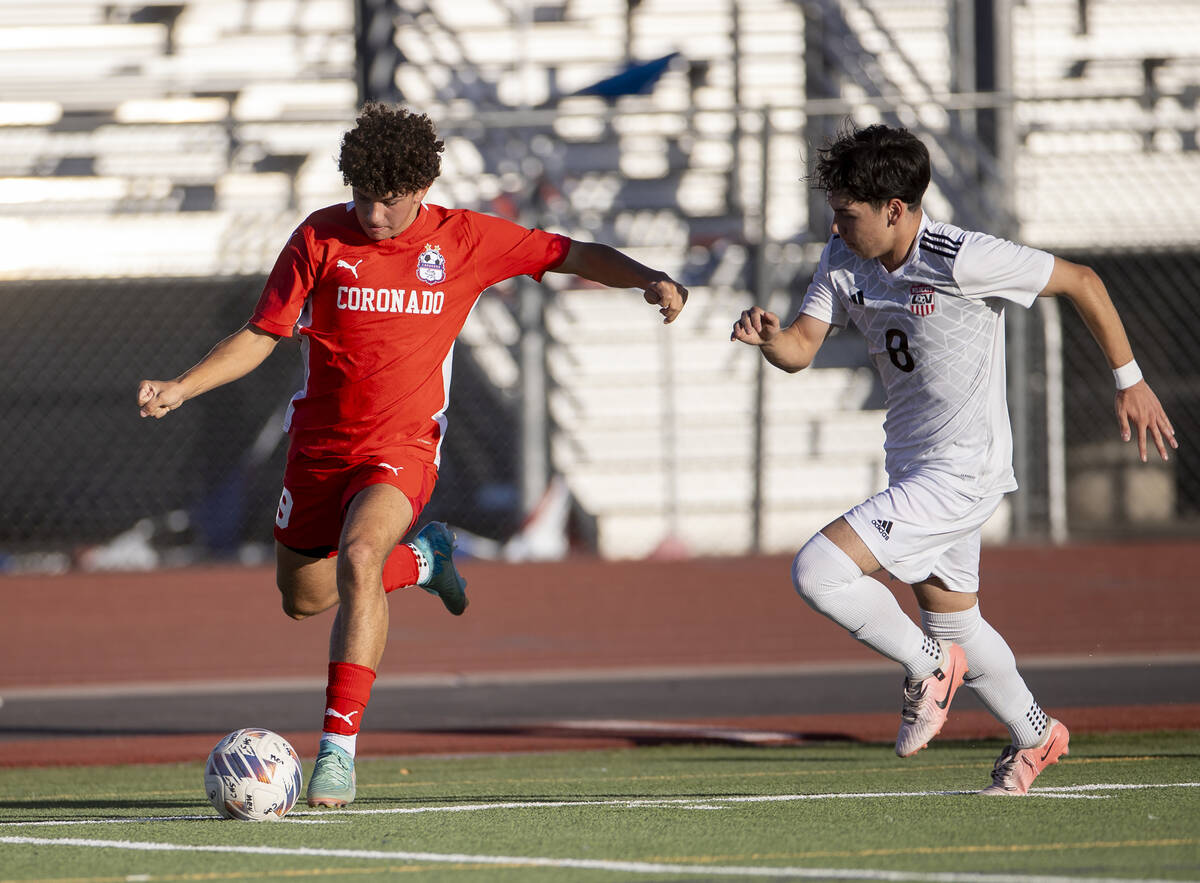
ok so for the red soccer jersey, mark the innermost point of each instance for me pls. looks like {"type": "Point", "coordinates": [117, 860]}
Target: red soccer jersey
{"type": "Point", "coordinates": [378, 320]}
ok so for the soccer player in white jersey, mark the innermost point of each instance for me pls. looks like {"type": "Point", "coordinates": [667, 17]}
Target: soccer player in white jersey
{"type": "Point", "coordinates": [929, 298]}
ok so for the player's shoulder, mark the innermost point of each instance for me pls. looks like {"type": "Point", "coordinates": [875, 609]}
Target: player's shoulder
{"type": "Point", "coordinates": [937, 239]}
{"type": "Point", "coordinates": [440, 214]}
{"type": "Point", "coordinates": [951, 241]}
{"type": "Point", "coordinates": [976, 254]}
{"type": "Point", "coordinates": [955, 253]}
{"type": "Point", "coordinates": [479, 220]}
{"type": "Point", "coordinates": [332, 220]}
{"type": "Point", "coordinates": [457, 220]}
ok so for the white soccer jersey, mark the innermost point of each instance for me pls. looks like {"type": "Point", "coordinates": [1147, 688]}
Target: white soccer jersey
{"type": "Point", "coordinates": [935, 330]}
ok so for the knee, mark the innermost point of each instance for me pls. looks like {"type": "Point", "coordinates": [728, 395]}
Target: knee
{"type": "Point", "coordinates": [358, 564]}
{"type": "Point", "coordinates": [955, 625]}
{"type": "Point", "coordinates": [296, 605]}
{"type": "Point", "coordinates": [301, 598]}
{"type": "Point", "coordinates": [306, 584]}
{"type": "Point", "coordinates": [820, 568]}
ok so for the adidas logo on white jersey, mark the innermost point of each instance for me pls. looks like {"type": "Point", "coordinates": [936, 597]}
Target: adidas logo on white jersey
{"type": "Point", "coordinates": [884, 527]}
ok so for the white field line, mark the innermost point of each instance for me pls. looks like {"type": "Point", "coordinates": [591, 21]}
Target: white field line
{"type": "Point", "coordinates": [672, 728]}
{"type": "Point", "coordinates": [1085, 792]}
{"type": "Point", "coordinates": [135, 819]}
{"type": "Point", "coordinates": [625, 867]}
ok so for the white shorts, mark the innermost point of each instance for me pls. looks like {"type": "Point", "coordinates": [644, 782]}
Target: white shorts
{"type": "Point", "coordinates": [922, 527]}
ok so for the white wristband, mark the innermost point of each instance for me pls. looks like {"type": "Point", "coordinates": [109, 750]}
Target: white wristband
{"type": "Point", "coordinates": [1127, 375]}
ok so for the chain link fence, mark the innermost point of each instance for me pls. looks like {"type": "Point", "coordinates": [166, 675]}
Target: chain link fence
{"type": "Point", "coordinates": [89, 483]}
{"type": "Point", "coordinates": [708, 173]}
{"type": "Point", "coordinates": [81, 467]}
{"type": "Point", "coordinates": [1109, 492]}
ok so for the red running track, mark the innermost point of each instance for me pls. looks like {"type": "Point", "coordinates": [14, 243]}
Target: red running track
{"type": "Point", "coordinates": [215, 624]}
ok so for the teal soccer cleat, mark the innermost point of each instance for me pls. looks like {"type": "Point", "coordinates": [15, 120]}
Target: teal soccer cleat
{"type": "Point", "coordinates": [332, 781]}
{"type": "Point", "coordinates": [436, 543]}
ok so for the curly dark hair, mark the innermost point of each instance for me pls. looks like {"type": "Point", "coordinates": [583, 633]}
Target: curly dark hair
{"type": "Point", "coordinates": [874, 165]}
{"type": "Point", "coordinates": [390, 151]}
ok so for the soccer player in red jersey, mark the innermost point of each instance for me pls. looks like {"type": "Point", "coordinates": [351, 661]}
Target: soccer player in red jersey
{"type": "Point", "coordinates": [378, 289]}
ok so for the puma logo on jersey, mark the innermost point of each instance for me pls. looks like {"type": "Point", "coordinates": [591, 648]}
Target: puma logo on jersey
{"type": "Point", "coordinates": [395, 469]}
{"type": "Point", "coordinates": [352, 268]}
{"type": "Point", "coordinates": [884, 527]}
{"type": "Point", "coordinates": [329, 712]}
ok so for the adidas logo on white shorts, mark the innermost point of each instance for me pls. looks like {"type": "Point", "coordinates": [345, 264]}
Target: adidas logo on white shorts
{"type": "Point", "coordinates": [884, 528]}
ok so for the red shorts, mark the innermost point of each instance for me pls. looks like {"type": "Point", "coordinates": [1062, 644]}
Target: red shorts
{"type": "Point", "coordinates": [316, 493]}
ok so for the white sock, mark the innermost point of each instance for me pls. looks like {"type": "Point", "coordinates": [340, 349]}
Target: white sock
{"type": "Point", "coordinates": [991, 672]}
{"type": "Point", "coordinates": [833, 585]}
{"type": "Point", "coordinates": [346, 743]}
{"type": "Point", "coordinates": [1030, 730]}
{"type": "Point", "coordinates": [424, 568]}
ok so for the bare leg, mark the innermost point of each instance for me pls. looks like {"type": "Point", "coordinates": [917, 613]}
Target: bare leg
{"type": "Point", "coordinates": [933, 597]}
{"type": "Point", "coordinates": [376, 521]}
{"type": "Point", "coordinates": [844, 537]}
{"type": "Point", "coordinates": [308, 585]}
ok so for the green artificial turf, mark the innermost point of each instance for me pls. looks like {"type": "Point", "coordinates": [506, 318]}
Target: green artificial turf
{"type": "Point", "coordinates": [824, 811]}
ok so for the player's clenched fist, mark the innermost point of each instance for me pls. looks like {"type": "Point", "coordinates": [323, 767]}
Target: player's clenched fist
{"type": "Point", "coordinates": [670, 297]}
{"type": "Point", "coordinates": [156, 398]}
{"type": "Point", "coordinates": [756, 327]}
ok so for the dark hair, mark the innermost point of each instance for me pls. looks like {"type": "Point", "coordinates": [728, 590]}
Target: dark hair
{"type": "Point", "coordinates": [390, 150]}
{"type": "Point", "coordinates": [874, 165]}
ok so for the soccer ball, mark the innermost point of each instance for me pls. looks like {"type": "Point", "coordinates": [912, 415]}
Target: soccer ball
{"type": "Point", "coordinates": [253, 775]}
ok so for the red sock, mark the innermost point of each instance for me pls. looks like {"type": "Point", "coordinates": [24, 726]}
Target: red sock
{"type": "Point", "coordinates": [346, 697]}
{"type": "Point", "coordinates": [400, 568]}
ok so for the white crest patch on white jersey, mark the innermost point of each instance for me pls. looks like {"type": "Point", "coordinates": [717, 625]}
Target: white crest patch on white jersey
{"type": "Point", "coordinates": [431, 266]}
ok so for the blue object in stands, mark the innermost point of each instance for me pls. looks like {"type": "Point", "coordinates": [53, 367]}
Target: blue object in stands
{"type": "Point", "coordinates": [636, 79]}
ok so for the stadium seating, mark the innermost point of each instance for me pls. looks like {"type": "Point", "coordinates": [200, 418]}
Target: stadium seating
{"type": "Point", "coordinates": [1116, 116]}
{"type": "Point", "coordinates": [140, 111]}
{"type": "Point", "coordinates": [204, 129]}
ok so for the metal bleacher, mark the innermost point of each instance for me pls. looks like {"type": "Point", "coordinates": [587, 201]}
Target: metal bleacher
{"type": "Point", "coordinates": [214, 121]}
{"type": "Point", "coordinates": [1110, 111]}
{"type": "Point", "coordinates": [203, 130]}
{"type": "Point", "coordinates": [655, 430]}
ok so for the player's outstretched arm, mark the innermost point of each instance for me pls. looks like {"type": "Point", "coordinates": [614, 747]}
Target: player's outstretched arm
{"type": "Point", "coordinates": [1138, 409]}
{"type": "Point", "coordinates": [792, 348]}
{"type": "Point", "coordinates": [604, 264]}
{"type": "Point", "coordinates": [234, 357]}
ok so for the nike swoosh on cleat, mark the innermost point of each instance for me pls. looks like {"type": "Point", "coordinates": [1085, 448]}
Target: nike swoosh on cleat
{"type": "Point", "coordinates": [1049, 748]}
{"type": "Point", "coordinates": [942, 703]}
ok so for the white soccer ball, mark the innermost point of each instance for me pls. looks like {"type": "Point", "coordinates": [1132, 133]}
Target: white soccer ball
{"type": "Point", "coordinates": [253, 775]}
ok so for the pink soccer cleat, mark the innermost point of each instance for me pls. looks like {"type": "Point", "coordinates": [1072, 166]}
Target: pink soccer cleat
{"type": "Point", "coordinates": [927, 701]}
{"type": "Point", "coordinates": [1016, 768]}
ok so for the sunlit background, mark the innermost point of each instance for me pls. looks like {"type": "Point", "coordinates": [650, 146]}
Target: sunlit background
{"type": "Point", "coordinates": [154, 157]}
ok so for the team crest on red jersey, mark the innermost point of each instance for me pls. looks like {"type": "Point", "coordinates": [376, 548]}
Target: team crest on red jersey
{"type": "Point", "coordinates": [920, 299]}
{"type": "Point", "coordinates": [431, 266]}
